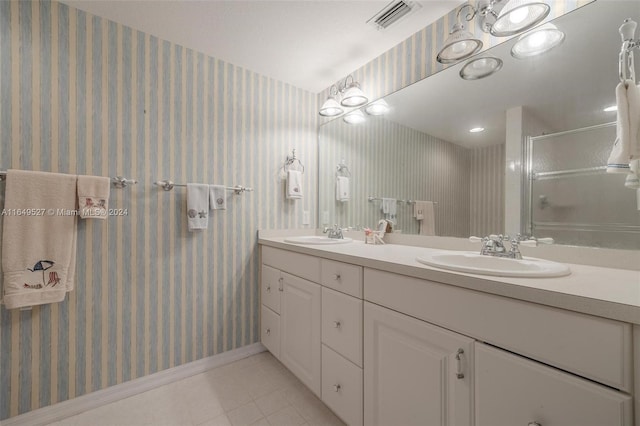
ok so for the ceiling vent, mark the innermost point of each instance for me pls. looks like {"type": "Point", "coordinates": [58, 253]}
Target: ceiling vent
{"type": "Point", "coordinates": [392, 13]}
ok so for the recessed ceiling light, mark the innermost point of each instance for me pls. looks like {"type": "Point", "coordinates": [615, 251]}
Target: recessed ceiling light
{"type": "Point", "coordinates": [476, 130]}
{"type": "Point", "coordinates": [611, 108]}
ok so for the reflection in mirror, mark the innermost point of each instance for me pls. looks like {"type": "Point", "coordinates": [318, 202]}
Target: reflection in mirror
{"type": "Point", "coordinates": [422, 149]}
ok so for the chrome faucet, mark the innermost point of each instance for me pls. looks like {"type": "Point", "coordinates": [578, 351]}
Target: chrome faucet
{"type": "Point", "coordinates": [493, 245]}
{"type": "Point", "coordinates": [335, 232]}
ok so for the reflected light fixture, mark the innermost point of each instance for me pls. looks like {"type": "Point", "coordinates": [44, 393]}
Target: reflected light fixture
{"type": "Point", "coordinates": [379, 107]}
{"type": "Point", "coordinates": [611, 108]}
{"type": "Point", "coordinates": [500, 18]}
{"type": "Point", "coordinates": [476, 130]}
{"type": "Point", "coordinates": [352, 96]}
{"type": "Point", "coordinates": [537, 42]}
{"type": "Point", "coordinates": [354, 117]}
{"type": "Point", "coordinates": [479, 68]}
{"type": "Point", "coordinates": [331, 107]}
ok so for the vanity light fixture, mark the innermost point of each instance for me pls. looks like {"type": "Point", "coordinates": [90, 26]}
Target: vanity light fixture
{"type": "Point", "coordinates": [537, 42]}
{"type": "Point", "coordinates": [379, 107]}
{"type": "Point", "coordinates": [476, 130]}
{"type": "Point", "coordinates": [500, 18]}
{"type": "Point", "coordinates": [331, 107]}
{"type": "Point", "coordinates": [352, 96]}
{"type": "Point", "coordinates": [479, 68]}
{"type": "Point", "coordinates": [611, 108]}
{"type": "Point", "coordinates": [354, 117]}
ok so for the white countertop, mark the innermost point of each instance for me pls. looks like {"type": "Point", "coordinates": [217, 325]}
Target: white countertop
{"type": "Point", "coordinates": [606, 292]}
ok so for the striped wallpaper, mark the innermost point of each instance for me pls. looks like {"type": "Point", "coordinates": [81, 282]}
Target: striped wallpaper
{"type": "Point", "coordinates": [415, 58]}
{"type": "Point", "coordinates": [387, 159]}
{"type": "Point", "coordinates": [486, 206]}
{"type": "Point", "coordinates": [81, 94]}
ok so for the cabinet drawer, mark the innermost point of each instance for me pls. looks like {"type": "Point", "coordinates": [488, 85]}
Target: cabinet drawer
{"type": "Point", "coordinates": [343, 277]}
{"type": "Point", "coordinates": [342, 324]}
{"type": "Point", "coordinates": [342, 387]}
{"type": "Point", "coordinates": [511, 390]}
{"type": "Point", "coordinates": [592, 347]}
{"type": "Point", "coordinates": [270, 288]}
{"type": "Point", "coordinates": [300, 265]}
{"type": "Point", "coordinates": [270, 331]}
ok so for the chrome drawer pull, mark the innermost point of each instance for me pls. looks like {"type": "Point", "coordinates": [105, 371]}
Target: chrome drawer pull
{"type": "Point", "coordinates": [459, 373]}
{"type": "Point", "coordinates": [281, 287]}
{"type": "Point", "coordinates": [337, 324]}
{"type": "Point", "coordinates": [268, 331]}
{"type": "Point", "coordinates": [336, 277]}
{"type": "Point", "coordinates": [337, 387]}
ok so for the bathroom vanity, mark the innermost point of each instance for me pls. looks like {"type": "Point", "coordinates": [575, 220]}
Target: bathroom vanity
{"type": "Point", "coordinates": [383, 339]}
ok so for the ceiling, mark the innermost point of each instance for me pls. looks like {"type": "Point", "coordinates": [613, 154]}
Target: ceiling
{"type": "Point", "coordinates": [567, 88]}
{"type": "Point", "coordinates": [309, 44]}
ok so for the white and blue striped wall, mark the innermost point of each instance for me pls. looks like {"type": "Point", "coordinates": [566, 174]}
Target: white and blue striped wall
{"type": "Point", "coordinates": [81, 94]}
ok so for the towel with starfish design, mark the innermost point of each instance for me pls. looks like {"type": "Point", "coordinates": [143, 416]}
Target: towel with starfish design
{"type": "Point", "coordinates": [197, 206]}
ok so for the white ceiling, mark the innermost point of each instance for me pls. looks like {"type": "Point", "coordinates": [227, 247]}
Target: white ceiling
{"type": "Point", "coordinates": [567, 88]}
{"type": "Point", "coordinates": [310, 44]}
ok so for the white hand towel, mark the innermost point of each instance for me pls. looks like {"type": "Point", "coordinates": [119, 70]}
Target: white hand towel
{"type": "Point", "coordinates": [294, 184]}
{"type": "Point", "coordinates": [389, 207]}
{"type": "Point", "coordinates": [197, 206]}
{"type": "Point", "coordinates": [38, 250]}
{"type": "Point", "coordinates": [343, 192]}
{"type": "Point", "coordinates": [93, 196]}
{"type": "Point", "coordinates": [423, 211]}
{"type": "Point", "coordinates": [218, 197]}
{"type": "Point", "coordinates": [626, 146]}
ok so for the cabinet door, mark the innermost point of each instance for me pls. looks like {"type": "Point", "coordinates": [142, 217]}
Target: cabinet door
{"type": "Point", "coordinates": [415, 372]}
{"type": "Point", "coordinates": [300, 327]}
{"type": "Point", "coordinates": [511, 390]}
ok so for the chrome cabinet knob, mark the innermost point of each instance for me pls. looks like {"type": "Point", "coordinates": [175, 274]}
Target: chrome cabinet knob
{"type": "Point", "coordinates": [337, 324]}
{"type": "Point", "coordinates": [336, 277]}
{"type": "Point", "coordinates": [337, 387]}
{"type": "Point", "coordinates": [268, 331]}
{"type": "Point", "coordinates": [269, 288]}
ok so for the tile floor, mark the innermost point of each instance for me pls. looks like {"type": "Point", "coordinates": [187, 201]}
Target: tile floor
{"type": "Point", "coordinates": [257, 390]}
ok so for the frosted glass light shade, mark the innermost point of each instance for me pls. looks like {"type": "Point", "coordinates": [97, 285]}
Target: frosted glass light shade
{"type": "Point", "coordinates": [379, 107]}
{"type": "Point", "coordinates": [353, 96]}
{"type": "Point", "coordinates": [518, 16]}
{"type": "Point", "coordinates": [537, 42]}
{"type": "Point", "coordinates": [459, 45]}
{"type": "Point", "coordinates": [355, 117]}
{"type": "Point", "coordinates": [479, 68]}
{"type": "Point", "coordinates": [331, 108]}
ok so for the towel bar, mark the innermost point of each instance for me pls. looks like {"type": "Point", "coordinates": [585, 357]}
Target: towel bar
{"type": "Point", "coordinates": [168, 185]}
{"type": "Point", "coordinates": [372, 199]}
{"type": "Point", "coordinates": [117, 182]}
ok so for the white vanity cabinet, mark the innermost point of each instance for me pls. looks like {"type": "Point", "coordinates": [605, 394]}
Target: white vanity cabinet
{"type": "Point", "coordinates": [415, 373]}
{"type": "Point", "coordinates": [291, 312]}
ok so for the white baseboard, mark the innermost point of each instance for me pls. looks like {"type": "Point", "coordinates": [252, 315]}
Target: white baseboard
{"type": "Point", "coordinates": [62, 410]}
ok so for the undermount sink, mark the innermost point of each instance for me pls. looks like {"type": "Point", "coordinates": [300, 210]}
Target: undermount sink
{"type": "Point", "coordinates": [474, 263]}
{"type": "Point", "coordinates": [315, 239]}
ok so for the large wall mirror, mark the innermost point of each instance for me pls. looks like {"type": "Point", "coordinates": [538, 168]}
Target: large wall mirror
{"type": "Point", "coordinates": [537, 167]}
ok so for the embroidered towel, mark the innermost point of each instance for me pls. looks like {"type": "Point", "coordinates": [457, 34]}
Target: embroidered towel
{"type": "Point", "coordinates": [343, 192]}
{"type": "Point", "coordinates": [218, 197]}
{"type": "Point", "coordinates": [197, 206]}
{"type": "Point", "coordinates": [626, 146]}
{"type": "Point", "coordinates": [38, 249]}
{"type": "Point", "coordinates": [294, 184]}
{"type": "Point", "coordinates": [423, 211]}
{"type": "Point", "coordinates": [93, 196]}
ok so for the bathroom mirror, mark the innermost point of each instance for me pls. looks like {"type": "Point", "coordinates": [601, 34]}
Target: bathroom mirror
{"type": "Point", "coordinates": [546, 137]}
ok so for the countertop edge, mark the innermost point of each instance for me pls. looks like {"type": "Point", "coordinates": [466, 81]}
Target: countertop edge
{"type": "Point", "coordinates": [576, 303]}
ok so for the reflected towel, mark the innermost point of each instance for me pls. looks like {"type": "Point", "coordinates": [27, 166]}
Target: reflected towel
{"type": "Point", "coordinates": [218, 197]}
{"type": "Point", "coordinates": [93, 196]}
{"type": "Point", "coordinates": [424, 212]}
{"type": "Point", "coordinates": [343, 192]}
{"type": "Point", "coordinates": [389, 207]}
{"type": "Point", "coordinates": [626, 146]}
{"type": "Point", "coordinates": [294, 184]}
{"type": "Point", "coordinates": [39, 250]}
{"type": "Point", "coordinates": [197, 206]}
